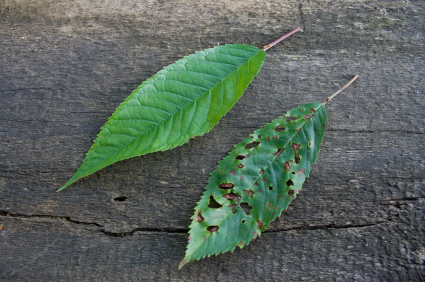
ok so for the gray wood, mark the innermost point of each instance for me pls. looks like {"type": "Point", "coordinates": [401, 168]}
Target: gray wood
{"type": "Point", "coordinates": [66, 65]}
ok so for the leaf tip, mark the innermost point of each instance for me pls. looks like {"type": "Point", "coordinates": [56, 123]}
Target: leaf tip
{"type": "Point", "coordinates": [183, 263]}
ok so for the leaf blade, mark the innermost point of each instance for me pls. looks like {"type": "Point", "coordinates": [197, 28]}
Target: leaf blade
{"type": "Point", "coordinates": [266, 177]}
{"type": "Point", "coordinates": [183, 100]}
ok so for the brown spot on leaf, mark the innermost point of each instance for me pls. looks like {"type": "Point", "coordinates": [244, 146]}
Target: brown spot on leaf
{"type": "Point", "coordinates": [244, 191]}
{"type": "Point", "coordinates": [240, 244]}
{"type": "Point", "coordinates": [307, 117]}
{"type": "Point", "coordinates": [286, 165]}
{"type": "Point", "coordinates": [240, 177]}
{"type": "Point", "coordinates": [259, 136]}
{"type": "Point", "coordinates": [251, 193]}
{"type": "Point", "coordinates": [259, 224]}
{"type": "Point", "coordinates": [302, 110]}
{"type": "Point", "coordinates": [233, 207]}
{"type": "Point", "coordinates": [270, 204]}
{"type": "Point", "coordinates": [309, 143]}
{"type": "Point", "coordinates": [231, 196]}
{"type": "Point", "coordinates": [295, 147]}
{"type": "Point", "coordinates": [190, 239]}
{"type": "Point", "coordinates": [275, 207]}
{"type": "Point", "coordinates": [267, 208]}
{"type": "Point", "coordinates": [278, 152]}
{"type": "Point", "coordinates": [327, 99]}
{"type": "Point", "coordinates": [268, 138]}
{"type": "Point", "coordinates": [226, 186]}
{"type": "Point", "coordinates": [263, 179]}
{"type": "Point", "coordinates": [297, 130]}
{"type": "Point", "coordinates": [255, 183]}
{"type": "Point", "coordinates": [240, 165]}
{"type": "Point", "coordinates": [232, 172]}
{"type": "Point", "coordinates": [212, 228]}
{"type": "Point", "coordinates": [255, 233]}
{"type": "Point", "coordinates": [275, 136]}
{"type": "Point", "coordinates": [199, 216]}
{"type": "Point", "coordinates": [312, 110]}
{"type": "Point", "coordinates": [262, 171]}
{"type": "Point", "coordinates": [299, 171]}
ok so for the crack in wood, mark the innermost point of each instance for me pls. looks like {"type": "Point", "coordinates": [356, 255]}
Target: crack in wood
{"type": "Point", "coordinates": [182, 230]}
{"type": "Point", "coordinates": [325, 226]}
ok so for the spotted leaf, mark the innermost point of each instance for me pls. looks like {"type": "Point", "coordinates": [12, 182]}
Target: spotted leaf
{"type": "Point", "coordinates": [255, 182]}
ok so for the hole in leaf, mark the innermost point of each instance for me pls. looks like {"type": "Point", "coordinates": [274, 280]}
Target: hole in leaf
{"type": "Point", "coordinates": [309, 144]}
{"type": "Point", "coordinates": [226, 185]}
{"type": "Point", "coordinates": [120, 198]}
{"type": "Point", "coordinates": [280, 128]}
{"type": "Point", "coordinates": [259, 136]}
{"type": "Point", "coordinates": [240, 157]}
{"type": "Point", "coordinates": [213, 203]}
{"type": "Point", "coordinates": [293, 172]}
{"type": "Point", "coordinates": [291, 192]}
{"type": "Point", "coordinates": [289, 183]}
{"type": "Point", "coordinates": [252, 145]}
{"type": "Point", "coordinates": [243, 221]}
{"type": "Point", "coordinates": [246, 208]}
{"type": "Point", "coordinates": [212, 228]}
{"type": "Point", "coordinates": [270, 188]}
{"type": "Point", "coordinates": [290, 118]}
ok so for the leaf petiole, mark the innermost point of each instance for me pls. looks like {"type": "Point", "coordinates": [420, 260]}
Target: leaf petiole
{"type": "Point", "coordinates": [266, 47]}
{"type": "Point", "coordinates": [345, 86]}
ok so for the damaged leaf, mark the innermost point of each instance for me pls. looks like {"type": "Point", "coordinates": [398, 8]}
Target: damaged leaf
{"type": "Point", "coordinates": [264, 179]}
{"type": "Point", "coordinates": [183, 100]}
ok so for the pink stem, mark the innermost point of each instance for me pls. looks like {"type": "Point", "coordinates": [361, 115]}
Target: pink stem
{"type": "Point", "coordinates": [280, 39]}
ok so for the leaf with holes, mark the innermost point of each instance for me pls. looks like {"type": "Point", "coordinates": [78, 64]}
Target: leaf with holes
{"type": "Point", "coordinates": [256, 181]}
{"type": "Point", "coordinates": [183, 100]}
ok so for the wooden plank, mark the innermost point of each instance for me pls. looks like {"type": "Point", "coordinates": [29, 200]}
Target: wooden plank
{"type": "Point", "coordinates": [65, 67]}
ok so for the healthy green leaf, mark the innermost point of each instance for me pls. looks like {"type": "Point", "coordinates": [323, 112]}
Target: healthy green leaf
{"type": "Point", "coordinates": [255, 182]}
{"type": "Point", "coordinates": [183, 100]}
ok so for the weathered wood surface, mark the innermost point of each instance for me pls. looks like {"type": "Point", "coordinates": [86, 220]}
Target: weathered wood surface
{"type": "Point", "coordinates": [66, 65]}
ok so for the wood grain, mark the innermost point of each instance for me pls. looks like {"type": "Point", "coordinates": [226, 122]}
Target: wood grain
{"type": "Point", "coordinates": [66, 65]}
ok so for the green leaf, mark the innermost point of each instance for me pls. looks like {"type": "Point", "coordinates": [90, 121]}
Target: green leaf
{"type": "Point", "coordinates": [183, 100]}
{"type": "Point", "coordinates": [255, 182]}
